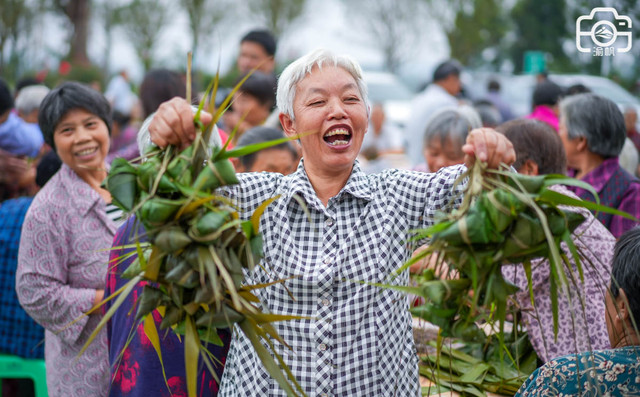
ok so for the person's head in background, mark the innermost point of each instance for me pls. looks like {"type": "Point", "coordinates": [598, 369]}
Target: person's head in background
{"type": "Point", "coordinates": [257, 49]}
{"type": "Point", "coordinates": [547, 93]}
{"type": "Point", "coordinates": [576, 89]}
{"type": "Point", "coordinates": [622, 305]}
{"type": "Point", "coordinates": [538, 147]}
{"type": "Point", "coordinates": [446, 133]}
{"type": "Point", "coordinates": [493, 85]}
{"type": "Point", "coordinates": [25, 82]}
{"type": "Point", "coordinates": [282, 158]}
{"type": "Point", "coordinates": [252, 103]}
{"type": "Point", "coordinates": [160, 85]}
{"type": "Point", "coordinates": [6, 101]}
{"type": "Point", "coordinates": [542, 76]}
{"type": "Point", "coordinates": [488, 112]}
{"type": "Point", "coordinates": [447, 76]}
{"type": "Point", "coordinates": [592, 130]}
{"type": "Point", "coordinates": [28, 102]}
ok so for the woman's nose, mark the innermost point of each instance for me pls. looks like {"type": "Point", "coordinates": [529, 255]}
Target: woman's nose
{"type": "Point", "coordinates": [337, 109]}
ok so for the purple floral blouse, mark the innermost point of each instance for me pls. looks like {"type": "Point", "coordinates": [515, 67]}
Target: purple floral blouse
{"type": "Point", "coordinates": [62, 261]}
{"type": "Point", "coordinates": [582, 309]}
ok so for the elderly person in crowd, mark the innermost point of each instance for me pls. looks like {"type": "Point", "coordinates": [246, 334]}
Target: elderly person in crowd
{"type": "Point", "coordinates": [28, 102]}
{"type": "Point", "coordinates": [609, 372]}
{"type": "Point", "coordinates": [581, 326]}
{"type": "Point", "coordinates": [355, 339]}
{"type": "Point", "coordinates": [62, 261]}
{"type": "Point", "coordinates": [445, 135]}
{"type": "Point", "coordinates": [593, 133]}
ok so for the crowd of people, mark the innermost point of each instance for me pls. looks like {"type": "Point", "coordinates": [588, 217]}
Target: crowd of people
{"type": "Point", "coordinates": [58, 223]}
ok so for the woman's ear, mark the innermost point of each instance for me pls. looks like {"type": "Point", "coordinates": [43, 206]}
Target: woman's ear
{"type": "Point", "coordinates": [529, 167]}
{"type": "Point", "coordinates": [287, 125]}
{"type": "Point", "coordinates": [623, 307]}
{"type": "Point", "coordinates": [581, 144]}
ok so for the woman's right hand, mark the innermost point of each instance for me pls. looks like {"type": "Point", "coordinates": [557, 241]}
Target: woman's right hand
{"type": "Point", "coordinates": [173, 124]}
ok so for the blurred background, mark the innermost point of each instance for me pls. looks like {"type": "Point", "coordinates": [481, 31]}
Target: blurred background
{"type": "Point", "coordinates": [95, 39]}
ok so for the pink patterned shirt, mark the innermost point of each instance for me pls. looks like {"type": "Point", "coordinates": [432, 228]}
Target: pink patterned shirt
{"type": "Point", "coordinates": [581, 318]}
{"type": "Point", "coordinates": [62, 261]}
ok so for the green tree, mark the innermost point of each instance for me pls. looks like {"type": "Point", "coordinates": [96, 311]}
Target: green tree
{"type": "Point", "coordinates": [479, 25]}
{"type": "Point", "coordinates": [204, 17]}
{"type": "Point", "coordinates": [78, 12]}
{"type": "Point", "coordinates": [144, 20]}
{"type": "Point", "coordinates": [277, 14]}
{"type": "Point", "coordinates": [392, 25]}
{"type": "Point", "coordinates": [16, 20]}
{"type": "Point", "coordinates": [541, 25]}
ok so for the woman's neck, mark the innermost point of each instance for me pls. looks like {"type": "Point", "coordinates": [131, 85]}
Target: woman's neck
{"type": "Point", "coordinates": [94, 178]}
{"type": "Point", "coordinates": [587, 163]}
{"type": "Point", "coordinates": [327, 185]}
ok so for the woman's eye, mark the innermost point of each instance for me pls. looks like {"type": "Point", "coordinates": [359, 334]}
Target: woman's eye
{"type": "Point", "coordinates": [352, 99]}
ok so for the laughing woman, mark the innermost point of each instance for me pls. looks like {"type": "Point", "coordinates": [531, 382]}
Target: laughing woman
{"type": "Point", "coordinates": [67, 231]}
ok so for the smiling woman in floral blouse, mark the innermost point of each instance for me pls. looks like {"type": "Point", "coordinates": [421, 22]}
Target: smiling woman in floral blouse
{"type": "Point", "coordinates": [613, 372]}
{"type": "Point", "coordinates": [67, 231]}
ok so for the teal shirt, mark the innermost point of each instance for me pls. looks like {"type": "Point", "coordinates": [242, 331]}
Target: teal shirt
{"type": "Point", "coordinates": [613, 372]}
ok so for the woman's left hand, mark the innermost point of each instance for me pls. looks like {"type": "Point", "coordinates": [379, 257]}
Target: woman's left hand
{"type": "Point", "coordinates": [488, 145]}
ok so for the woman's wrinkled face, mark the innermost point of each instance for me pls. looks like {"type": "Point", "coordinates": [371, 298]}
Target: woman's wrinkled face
{"type": "Point", "coordinates": [570, 144]}
{"type": "Point", "coordinates": [331, 114]}
{"type": "Point", "coordinates": [441, 153]}
{"type": "Point", "coordinates": [82, 140]}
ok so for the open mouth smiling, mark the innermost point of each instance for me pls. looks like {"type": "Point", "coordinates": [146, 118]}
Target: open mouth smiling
{"type": "Point", "coordinates": [337, 137]}
{"type": "Point", "coordinates": [86, 152]}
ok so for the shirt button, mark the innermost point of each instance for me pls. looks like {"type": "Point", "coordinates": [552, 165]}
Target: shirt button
{"type": "Point", "coordinates": [322, 347]}
{"type": "Point", "coordinates": [325, 302]}
{"type": "Point", "coordinates": [327, 260]}
{"type": "Point", "coordinates": [324, 395]}
{"type": "Point", "coordinates": [329, 222]}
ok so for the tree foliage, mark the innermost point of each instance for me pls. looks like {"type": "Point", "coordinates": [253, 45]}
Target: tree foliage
{"type": "Point", "coordinates": [277, 14]}
{"type": "Point", "coordinates": [479, 25]}
{"type": "Point", "coordinates": [204, 17]}
{"type": "Point", "coordinates": [393, 25]}
{"type": "Point", "coordinates": [540, 25]}
{"type": "Point", "coordinates": [78, 13]}
{"type": "Point", "coordinates": [144, 20]}
{"type": "Point", "coordinates": [16, 19]}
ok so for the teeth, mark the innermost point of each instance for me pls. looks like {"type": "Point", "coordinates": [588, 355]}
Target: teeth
{"type": "Point", "coordinates": [336, 143]}
{"type": "Point", "coordinates": [86, 151]}
{"type": "Point", "coordinates": [337, 131]}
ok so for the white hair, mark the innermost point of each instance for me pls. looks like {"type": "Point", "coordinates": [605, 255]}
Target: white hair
{"type": "Point", "coordinates": [299, 69]}
{"type": "Point", "coordinates": [30, 98]}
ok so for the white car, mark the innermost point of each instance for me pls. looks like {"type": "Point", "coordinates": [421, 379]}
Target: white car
{"type": "Point", "coordinates": [387, 89]}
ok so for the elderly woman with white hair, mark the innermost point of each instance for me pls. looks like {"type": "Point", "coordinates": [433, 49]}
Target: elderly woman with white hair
{"type": "Point", "coordinates": [593, 133]}
{"type": "Point", "coordinates": [352, 231]}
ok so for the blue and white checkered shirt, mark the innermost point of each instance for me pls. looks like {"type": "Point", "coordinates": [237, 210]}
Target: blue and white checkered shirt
{"type": "Point", "coordinates": [359, 341]}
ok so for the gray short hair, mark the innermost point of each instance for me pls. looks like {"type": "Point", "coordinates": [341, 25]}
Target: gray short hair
{"type": "Point", "coordinates": [452, 123]}
{"type": "Point", "coordinates": [596, 118]}
{"type": "Point", "coordinates": [299, 69]}
{"type": "Point", "coordinates": [30, 98]}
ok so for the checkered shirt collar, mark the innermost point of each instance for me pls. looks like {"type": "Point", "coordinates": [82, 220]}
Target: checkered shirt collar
{"type": "Point", "coordinates": [357, 185]}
